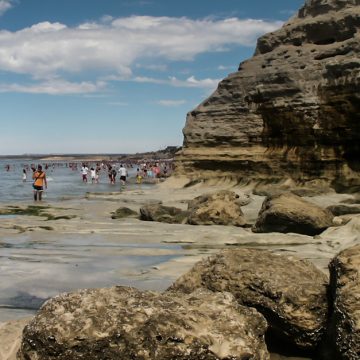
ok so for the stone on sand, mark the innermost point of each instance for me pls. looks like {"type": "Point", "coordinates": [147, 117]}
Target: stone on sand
{"type": "Point", "coordinates": [218, 208]}
{"type": "Point", "coordinates": [288, 291]}
{"type": "Point", "coordinates": [290, 213]}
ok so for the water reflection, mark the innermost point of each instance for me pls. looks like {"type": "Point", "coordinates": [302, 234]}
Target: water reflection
{"type": "Point", "coordinates": [31, 271]}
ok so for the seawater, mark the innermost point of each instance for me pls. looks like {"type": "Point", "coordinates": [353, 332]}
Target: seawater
{"type": "Point", "coordinates": [63, 182]}
{"type": "Point", "coordinates": [34, 267]}
{"type": "Point", "coordinates": [33, 270]}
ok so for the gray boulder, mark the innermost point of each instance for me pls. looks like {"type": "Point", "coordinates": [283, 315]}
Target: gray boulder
{"type": "Point", "coordinates": [161, 213]}
{"type": "Point", "coordinates": [345, 292]}
{"type": "Point", "coordinates": [290, 213]}
{"type": "Point", "coordinates": [289, 292]}
{"type": "Point", "coordinates": [220, 208]}
{"type": "Point", "coordinates": [123, 212]}
{"type": "Point", "coordinates": [340, 209]}
{"type": "Point", "coordinates": [124, 323]}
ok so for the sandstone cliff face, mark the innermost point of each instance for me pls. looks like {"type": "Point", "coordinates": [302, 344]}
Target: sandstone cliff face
{"type": "Point", "coordinates": [290, 111]}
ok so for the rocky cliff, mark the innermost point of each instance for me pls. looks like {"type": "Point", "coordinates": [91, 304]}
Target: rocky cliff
{"type": "Point", "coordinates": [291, 111]}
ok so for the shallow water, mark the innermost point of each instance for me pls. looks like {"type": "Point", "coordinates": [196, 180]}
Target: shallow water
{"type": "Point", "coordinates": [33, 268]}
{"type": "Point", "coordinates": [63, 182]}
{"type": "Point", "coordinates": [32, 271]}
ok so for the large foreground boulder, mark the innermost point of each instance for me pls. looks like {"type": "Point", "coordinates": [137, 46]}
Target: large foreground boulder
{"type": "Point", "coordinates": [345, 291]}
{"type": "Point", "coordinates": [290, 213]}
{"type": "Point", "coordinates": [124, 323]}
{"type": "Point", "coordinates": [219, 208]}
{"type": "Point", "coordinates": [289, 292]}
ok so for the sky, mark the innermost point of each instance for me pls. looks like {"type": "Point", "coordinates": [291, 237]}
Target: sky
{"type": "Point", "coordinates": [118, 76]}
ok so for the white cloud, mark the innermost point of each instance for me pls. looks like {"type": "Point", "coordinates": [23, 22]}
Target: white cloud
{"type": "Point", "coordinates": [173, 81]}
{"type": "Point", "coordinates": [203, 83]}
{"type": "Point", "coordinates": [114, 47]}
{"type": "Point", "coordinates": [5, 5]}
{"type": "Point", "coordinates": [54, 87]}
{"type": "Point", "coordinates": [171, 103]}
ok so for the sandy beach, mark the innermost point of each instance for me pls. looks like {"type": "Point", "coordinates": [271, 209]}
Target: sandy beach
{"type": "Point", "coordinates": [90, 249]}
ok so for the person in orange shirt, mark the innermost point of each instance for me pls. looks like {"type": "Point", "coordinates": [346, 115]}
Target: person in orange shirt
{"type": "Point", "coordinates": [40, 182]}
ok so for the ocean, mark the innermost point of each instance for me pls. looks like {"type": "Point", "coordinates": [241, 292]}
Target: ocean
{"type": "Point", "coordinates": [63, 182]}
{"type": "Point", "coordinates": [37, 265]}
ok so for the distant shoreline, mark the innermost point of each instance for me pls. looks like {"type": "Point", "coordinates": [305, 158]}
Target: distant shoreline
{"type": "Point", "coordinates": [167, 153]}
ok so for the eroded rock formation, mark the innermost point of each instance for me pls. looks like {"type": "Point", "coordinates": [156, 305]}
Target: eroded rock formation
{"type": "Point", "coordinates": [219, 208]}
{"type": "Point", "coordinates": [291, 111]}
{"type": "Point", "coordinates": [289, 292]}
{"type": "Point", "coordinates": [125, 323]}
{"type": "Point", "coordinates": [345, 290]}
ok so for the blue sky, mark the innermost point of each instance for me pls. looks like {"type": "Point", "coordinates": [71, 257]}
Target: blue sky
{"type": "Point", "coordinates": [118, 76]}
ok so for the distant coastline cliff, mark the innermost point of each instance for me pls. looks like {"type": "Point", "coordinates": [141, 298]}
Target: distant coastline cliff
{"type": "Point", "coordinates": [291, 111]}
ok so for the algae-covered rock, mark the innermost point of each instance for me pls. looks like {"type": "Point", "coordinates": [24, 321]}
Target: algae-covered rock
{"type": "Point", "coordinates": [124, 323]}
{"type": "Point", "coordinates": [123, 212]}
{"type": "Point", "coordinates": [161, 213]}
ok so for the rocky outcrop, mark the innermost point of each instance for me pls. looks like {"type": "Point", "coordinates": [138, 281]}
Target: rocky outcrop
{"type": "Point", "coordinates": [291, 111]}
{"type": "Point", "coordinates": [289, 292]}
{"type": "Point", "coordinates": [161, 213]}
{"type": "Point", "coordinates": [219, 208]}
{"type": "Point", "coordinates": [123, 212]}
{"type": "Point", "coordinates": [124, 323]}
{"type": "Point", "coordinates": [345, 291]}
{"type": "Point", "coordinates": [290, 213]}
{"type": "Point", "coordinates": [339, 209]}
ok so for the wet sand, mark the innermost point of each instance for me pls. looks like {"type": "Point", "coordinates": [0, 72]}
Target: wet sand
{"type": "Point", "coordinates": [40, 257]}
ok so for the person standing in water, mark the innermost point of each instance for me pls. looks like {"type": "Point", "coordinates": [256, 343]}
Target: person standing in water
{"type": "Point", "coordinates": [123, 174]}
{"type": "Point", "coordinates": [24, 175]}
{"type": "Point", "coordinates": [40, 182]}
{"type": "Point", "coordinates": [84, 173]}
{"type": "Point", "coordinates": [139, 176]}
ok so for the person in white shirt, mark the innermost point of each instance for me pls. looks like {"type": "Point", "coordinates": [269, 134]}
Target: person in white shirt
{"type": "Point", "coordinates": [93, 175]}
{"type": "Point", "coordinates": [84, 172]}
{"type": "Point", "coordinates": [123, 174]}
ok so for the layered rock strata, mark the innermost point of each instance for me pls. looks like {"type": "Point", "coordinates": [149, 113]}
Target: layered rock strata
{"type": "Point", "coordinates": [289, 292]}
{"type": "Point", "coordinates": [291, 111]}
